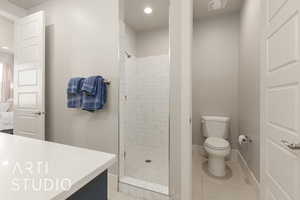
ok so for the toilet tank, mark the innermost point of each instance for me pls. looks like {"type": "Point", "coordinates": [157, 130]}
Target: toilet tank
{"type": "Point", "coordinates": [215, 126]}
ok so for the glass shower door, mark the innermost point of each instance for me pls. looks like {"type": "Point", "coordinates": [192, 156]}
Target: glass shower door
{"type": "Point", "coordinates": [144, 96]}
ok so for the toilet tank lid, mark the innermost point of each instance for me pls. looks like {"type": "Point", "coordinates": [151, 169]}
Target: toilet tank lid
{"type": "Point", "coordinates": [215, 118]}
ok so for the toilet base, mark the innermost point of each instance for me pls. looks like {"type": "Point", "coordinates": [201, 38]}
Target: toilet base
{"type": "Point", "coordinates": [217, 166]}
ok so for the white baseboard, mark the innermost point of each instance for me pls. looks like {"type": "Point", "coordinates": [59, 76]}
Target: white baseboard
{"type": "Point", "coordinates": [242, 161]}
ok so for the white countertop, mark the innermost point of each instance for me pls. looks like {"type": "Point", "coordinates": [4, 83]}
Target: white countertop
{"type": "Point", "coordinates": [30, 168]}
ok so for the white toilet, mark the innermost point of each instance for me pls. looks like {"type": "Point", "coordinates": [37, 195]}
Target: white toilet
{"type": "Point", "coordinates": [216, 131]}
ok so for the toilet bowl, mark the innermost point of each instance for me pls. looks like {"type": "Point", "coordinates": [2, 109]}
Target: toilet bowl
{"type": "Point", "coordinates": [216, 130]}
{"type": "Point", "coordinates": [217, 149]}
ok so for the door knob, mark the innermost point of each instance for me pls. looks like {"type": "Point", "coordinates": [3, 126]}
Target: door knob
{"type": "Point", "coordinates": [291, 146]}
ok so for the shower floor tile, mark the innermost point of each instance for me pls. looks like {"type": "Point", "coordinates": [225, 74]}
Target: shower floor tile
{"type": "Point", "coordinates": [155, 171]}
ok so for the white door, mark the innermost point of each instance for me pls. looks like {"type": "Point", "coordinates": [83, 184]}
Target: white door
{"type": "Point", "coordinates": [281, 100]}
{"type": "Point", "coordinates": [29, 76]}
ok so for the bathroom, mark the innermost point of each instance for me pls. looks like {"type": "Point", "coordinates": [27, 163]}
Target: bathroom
{"type": "Point", "coordinates": [202, 97]}
{"type": "Point", "coordinates": [225, 75]}
{"type": "Point", "coordinates": [225, 86]}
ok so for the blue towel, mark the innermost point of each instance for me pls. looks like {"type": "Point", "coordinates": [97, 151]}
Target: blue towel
{"type": "Point", "coordinates": [94, 93]}
{"type": "Point", "coordinates": [74, 92]}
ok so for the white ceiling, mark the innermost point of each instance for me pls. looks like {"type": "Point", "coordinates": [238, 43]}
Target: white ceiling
{"type": "Point", "coordinates": [135, 17]}
{"type": "Point", "coordinates": [134, 11]}
{"type": "Point", "coordinates": [201, 8]}
{"type": "Point", "coordinates": [139, 21]}
{"type": "Point", "coordinates": [27, 3]}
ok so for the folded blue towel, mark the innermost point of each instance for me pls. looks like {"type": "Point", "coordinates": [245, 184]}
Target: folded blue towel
{"type": "Point", "coordinates": [90, 85]}
{"type": "Point", "coordinates": [74, 92]}
{"type": "Point", "coordinates": [75, 85]}
{"type": "Point", "coordinates": [94, 93]}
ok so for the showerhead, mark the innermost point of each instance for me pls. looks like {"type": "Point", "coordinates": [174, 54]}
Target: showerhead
{"type": "Point", "coordinates": [127, 54]}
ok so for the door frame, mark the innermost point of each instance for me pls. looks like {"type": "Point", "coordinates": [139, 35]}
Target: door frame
{"type": "Point", "coordinates": [262, 107]}
{"type": "Point", "coordinates": [262, 99]}
{"type": "Point", "coordinates": [181, 30]}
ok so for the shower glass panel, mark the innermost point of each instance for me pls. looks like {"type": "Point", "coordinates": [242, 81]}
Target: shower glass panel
{"type": "Point", "coordinates": [144, 95]}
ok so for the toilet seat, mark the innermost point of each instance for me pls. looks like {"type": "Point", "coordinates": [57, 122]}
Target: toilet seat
{"type": "Point", "coordinates": [216, 143]}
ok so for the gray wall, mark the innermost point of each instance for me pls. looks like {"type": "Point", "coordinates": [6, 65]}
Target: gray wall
{"type": "Point", "coordinates": [81, 40]}
{"type": "Point", "coordinates": [249, 82]}
{"type": "Point", "coordinates": [145, 43]}
{"type": "Point", "coordinates": [152, 43]}
{"type": "Point", "coordinates": [215, 71]}
{"type": "Point", "coordinates": [129, 39]}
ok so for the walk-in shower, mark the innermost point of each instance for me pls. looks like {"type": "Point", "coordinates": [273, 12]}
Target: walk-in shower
{"type": "Point", "coordinates": [144, 98]}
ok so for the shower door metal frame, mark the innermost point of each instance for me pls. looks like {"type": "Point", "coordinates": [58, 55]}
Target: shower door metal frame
{"type": "Point", "coordinates": [180, 151]}
{"type": "Point", "coordinates": [121, 155]}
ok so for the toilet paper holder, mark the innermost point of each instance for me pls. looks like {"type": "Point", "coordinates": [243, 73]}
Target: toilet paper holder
{"type": "Point", "coordinates": [249, 140]}
{"type": "Point", "coordinates": [244, 139]}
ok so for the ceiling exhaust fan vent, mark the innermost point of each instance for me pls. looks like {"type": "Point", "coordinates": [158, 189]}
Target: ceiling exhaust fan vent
{"type": "Point", "coordinates": [217, 4]}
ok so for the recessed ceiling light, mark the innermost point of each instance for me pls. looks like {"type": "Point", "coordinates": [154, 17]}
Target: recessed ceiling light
{"type": "Point", "coordinates": [148, 10]}
{"type": "Point", "coordinates": [4, 47]}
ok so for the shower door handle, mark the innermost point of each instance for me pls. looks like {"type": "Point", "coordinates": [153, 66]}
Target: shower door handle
{"type": "Point", "coordinates": [292, 146]}
{"type": "Point", "coordinates": [38, 113]}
